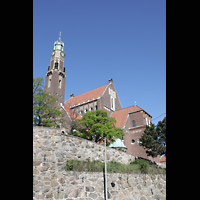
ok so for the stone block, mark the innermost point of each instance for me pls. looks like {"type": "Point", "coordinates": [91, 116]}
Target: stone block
{"type": "Point", "coordinates": [93, 195]}
{"type": "Point", "coordinates": [61, 180]}
{"type": "Point", "coordinates": [49, 195]}
{"type": "Point", "coordinates": [54, 176]}
{"type": "Point", "coordinates": [89, 189]}
{"type": "Point", "coordinates": [45, 189]}
{"type": "Point", "coordinates": [35, 171]}
{"type": "Point", "coordinates": [159, 186]}
{"type": "Point", "coordinates": [75, 193]}
{"type": "Point", "coordinates": [54, 183]}
{"type": "Point", "coordinates": [35, 182]}
{"type": "Point", "coordinates": [148, 183]}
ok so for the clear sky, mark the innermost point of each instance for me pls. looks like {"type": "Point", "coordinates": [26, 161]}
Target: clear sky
{"type": "Point", "coordinates": [120, 39]}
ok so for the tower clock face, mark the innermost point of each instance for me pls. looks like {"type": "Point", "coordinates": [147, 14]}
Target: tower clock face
{"type": "Point", "coordinates": [62, 54]}
{"type": "Point", "coordinates": [53, 53]}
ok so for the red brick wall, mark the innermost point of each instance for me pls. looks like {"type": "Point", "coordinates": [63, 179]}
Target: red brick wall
{"type": "Point", "coordinates": [135, 133]}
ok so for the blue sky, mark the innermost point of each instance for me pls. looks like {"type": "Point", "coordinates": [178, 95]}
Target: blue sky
{"type": "Point", "coordinates": [120, 39]}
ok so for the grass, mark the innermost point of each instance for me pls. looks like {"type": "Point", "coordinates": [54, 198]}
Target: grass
{"type": "Point", "coordinates": [137, 166]}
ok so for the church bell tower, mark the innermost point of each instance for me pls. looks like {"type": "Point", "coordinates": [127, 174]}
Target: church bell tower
{"type": "Point", "coordinates": [55, 76]}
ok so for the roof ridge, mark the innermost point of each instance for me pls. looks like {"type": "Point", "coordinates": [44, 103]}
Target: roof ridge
{"type": "Point", "coordinates": [88, 91]}
{"type": "Point", "coordinates": [128, 107]}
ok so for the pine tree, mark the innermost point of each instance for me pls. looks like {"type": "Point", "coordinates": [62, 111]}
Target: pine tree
{"type": "Point", "coordinates": [154, 139]}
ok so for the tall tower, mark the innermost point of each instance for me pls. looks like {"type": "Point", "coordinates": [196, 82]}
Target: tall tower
{"type": "Point", "coordinates": [55, 76]}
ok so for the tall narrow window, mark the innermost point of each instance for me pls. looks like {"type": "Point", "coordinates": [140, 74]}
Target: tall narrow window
{"type": "Point", "coordinates": [146, 121]}
{"type": "Point", "coordinates": [112, 103]}
{"type": "Point", "coordinates": [49, 83]}
{"type": "Point", "coordinates": [133, 123]}
{"type": "Point", "coordinates": [56, 65]}
{"type": "Point", "coordinates": [59, 85]}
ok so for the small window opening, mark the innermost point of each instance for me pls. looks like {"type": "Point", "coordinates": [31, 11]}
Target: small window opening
{"type": "Point", "coordinates": [132, 141]}
{"type": "Point", "coordinates": [133, 123]}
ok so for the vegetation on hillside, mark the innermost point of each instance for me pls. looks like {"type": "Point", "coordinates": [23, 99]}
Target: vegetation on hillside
{"type": "Point", "coordinates": [137, 166]}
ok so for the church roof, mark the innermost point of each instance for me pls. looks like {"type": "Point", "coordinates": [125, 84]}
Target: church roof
{"type": "Point", "coordinates": [85, 97]}
{"type": "Point", "coordinates": [72, 113]}
{"type": "Point", "coordinates": [121, 115]}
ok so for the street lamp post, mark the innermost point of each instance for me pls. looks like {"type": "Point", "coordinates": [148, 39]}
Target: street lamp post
{"type": "Point", "coordinates": [105, 173]}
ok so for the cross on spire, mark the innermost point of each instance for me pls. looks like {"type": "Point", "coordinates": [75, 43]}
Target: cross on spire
{"type": "Point", "coordinates": [60, 36]}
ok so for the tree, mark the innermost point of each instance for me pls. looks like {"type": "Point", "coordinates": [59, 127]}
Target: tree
{"type": "Point", "coordinates": [45, 110]}
{"type": "Point", "coordinates": [154, 139]}
{"type": "Point", "coordinates": [96, 125]}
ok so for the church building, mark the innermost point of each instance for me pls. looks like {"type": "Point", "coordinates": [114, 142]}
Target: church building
{"type": "Point", "coordinates": [132, 119]}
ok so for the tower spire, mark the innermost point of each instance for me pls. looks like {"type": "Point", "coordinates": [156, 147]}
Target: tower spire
{"type": "Point", "coordinates": [60, 36]}
{"type": "Point", "coordinates": [55, 76]}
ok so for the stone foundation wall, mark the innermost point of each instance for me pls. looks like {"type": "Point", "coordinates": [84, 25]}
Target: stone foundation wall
{"type": "Point", "coordinates": [90, 185]}
{"type": "Point", "coordinates": [51, 149]}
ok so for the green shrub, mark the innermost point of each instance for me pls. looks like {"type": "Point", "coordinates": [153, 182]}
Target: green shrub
{"type": "Point", "coordinates": [80, 165]}
{"type": "Point", "coordinates": [143, 164]}
{"type": "Point", "coordinates": [69, 165]}
{"type": "Point", "coordinates": [144, 167]}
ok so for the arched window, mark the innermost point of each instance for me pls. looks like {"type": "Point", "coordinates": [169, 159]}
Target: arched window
{"type": "Point", "coordinates": [133, 123]}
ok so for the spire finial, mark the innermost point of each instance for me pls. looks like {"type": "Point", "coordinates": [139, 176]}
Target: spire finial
{"type": "Point", "coordinates": [135, 103]}
{"type": "Point", "coordinates": [60, 36]}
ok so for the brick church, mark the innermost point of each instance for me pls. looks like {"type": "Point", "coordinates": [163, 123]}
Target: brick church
{"type": "Point", "coordinates": [132, 119]}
